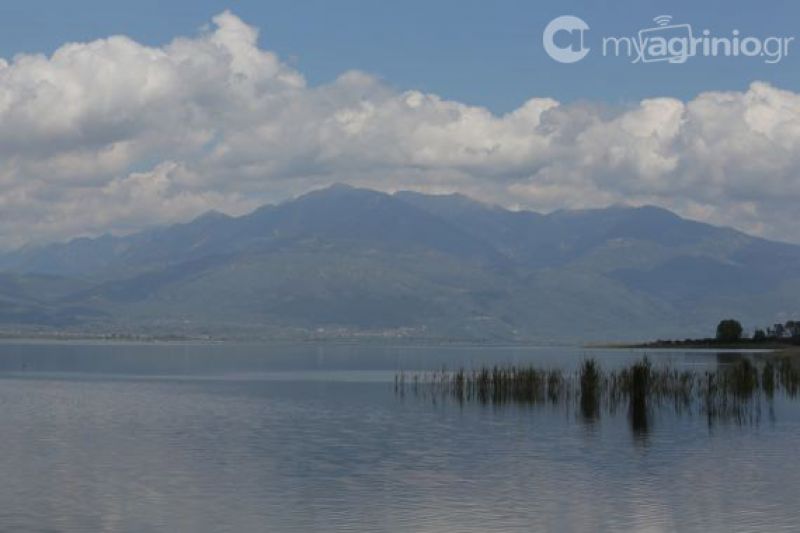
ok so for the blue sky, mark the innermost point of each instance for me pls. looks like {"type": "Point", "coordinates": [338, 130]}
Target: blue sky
{"type": "Point", "coordinates": [477, 52]}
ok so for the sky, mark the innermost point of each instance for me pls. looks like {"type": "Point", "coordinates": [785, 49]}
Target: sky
{"type": "Point", "coordinates": [117, 116]}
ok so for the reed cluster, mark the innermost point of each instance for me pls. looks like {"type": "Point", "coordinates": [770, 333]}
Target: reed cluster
{"type": "Point", "coordinates": [729, 391]}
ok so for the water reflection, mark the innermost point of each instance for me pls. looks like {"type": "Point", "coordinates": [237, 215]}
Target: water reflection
{"type": "Point", "coordinates": [731, 392]}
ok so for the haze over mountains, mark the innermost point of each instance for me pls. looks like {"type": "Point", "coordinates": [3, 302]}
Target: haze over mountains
{"type": "Point", "coordinates": [349, 262]}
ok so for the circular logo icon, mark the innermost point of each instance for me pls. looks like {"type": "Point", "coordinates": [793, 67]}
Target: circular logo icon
{"type": "Point", "coordinates": [563, 39]}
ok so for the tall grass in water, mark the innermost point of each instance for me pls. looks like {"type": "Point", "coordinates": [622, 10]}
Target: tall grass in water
{"type": "Point", "coordinates": [490, 385]}
{"type": "Point", "coordinates": [768, 379]}
{"type": "Point", "coordinates": [638, 392]}
{"type": "Point", "coordinates": [729, 392]}
{"type": "Point", "coordinates": [789, 376]}
{"type": "Point", "coordinates": [590, 380]}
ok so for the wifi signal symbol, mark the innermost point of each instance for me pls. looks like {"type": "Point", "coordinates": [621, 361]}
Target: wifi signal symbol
{"type": "Point", "coordinates": [662, 20]}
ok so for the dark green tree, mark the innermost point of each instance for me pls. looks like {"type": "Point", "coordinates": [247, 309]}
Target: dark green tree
{"type": "Point", "coordinates": [729, 330]}
{"type": "Point", "coordinates": [759, 335]}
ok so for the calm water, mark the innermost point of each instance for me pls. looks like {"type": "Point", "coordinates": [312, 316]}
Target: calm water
{"type": "Point", "coordinates": [309, 438]}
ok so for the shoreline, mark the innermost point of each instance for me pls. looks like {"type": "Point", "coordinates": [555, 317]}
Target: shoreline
{"type": "Point", "coordinates": [775, 347]}
{"type": "Point", "coordinates": [88, 338]}
{"type": "Point", "coordinates": [337, 341]}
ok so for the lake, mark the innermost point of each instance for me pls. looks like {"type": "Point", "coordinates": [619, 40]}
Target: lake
{"type": "Point", "coordinates": [233, 437]}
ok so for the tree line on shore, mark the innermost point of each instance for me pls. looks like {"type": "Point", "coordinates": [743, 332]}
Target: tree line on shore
{"type": "Point", "coordinates": [730, 331]}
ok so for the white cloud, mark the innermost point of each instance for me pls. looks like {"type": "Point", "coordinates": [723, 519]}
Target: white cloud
{"type": "Point", "coordinates": [113, 135]}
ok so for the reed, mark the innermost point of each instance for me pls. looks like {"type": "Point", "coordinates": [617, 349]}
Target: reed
{"type": "Point", "coordinates": [590, 380]}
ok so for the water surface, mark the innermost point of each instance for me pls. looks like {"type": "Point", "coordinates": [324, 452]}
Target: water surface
{"type": "Point", "coordinates": [227, 437]}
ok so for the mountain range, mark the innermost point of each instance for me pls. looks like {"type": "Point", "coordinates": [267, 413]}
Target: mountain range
{"type": "Point", "coordinates": [349, 262]}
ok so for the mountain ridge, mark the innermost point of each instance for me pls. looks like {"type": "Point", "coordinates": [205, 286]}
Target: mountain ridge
{"type": "Point", "coordinates": [357, 261]}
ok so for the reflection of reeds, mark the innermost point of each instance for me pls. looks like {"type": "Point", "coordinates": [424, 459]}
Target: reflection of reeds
{"type": "Point", "coordinates": [731, 391]}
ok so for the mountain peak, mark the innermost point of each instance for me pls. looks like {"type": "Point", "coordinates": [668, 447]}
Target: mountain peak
{"type": "Point", "coordinates": [335, 191]}
{"type": "Point", "coordinates": [451, 199]}
{"type": "Point", "coordinates": [211, 215]}
{"type": "Point", "coordinates": [339, 186]}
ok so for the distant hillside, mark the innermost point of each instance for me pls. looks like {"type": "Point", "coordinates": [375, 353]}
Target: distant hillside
{"type": "Point", "coordinates": [344, 261]}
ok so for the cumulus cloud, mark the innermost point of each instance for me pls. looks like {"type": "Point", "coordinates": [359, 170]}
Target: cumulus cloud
{"type": "Point", "coordinates": [113, 135]}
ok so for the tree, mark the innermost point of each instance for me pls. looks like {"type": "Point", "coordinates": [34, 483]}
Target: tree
{"type": "Point", "coordinates": [759, 335]}
{"type": "Point", "coordinates": [729, 330]}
